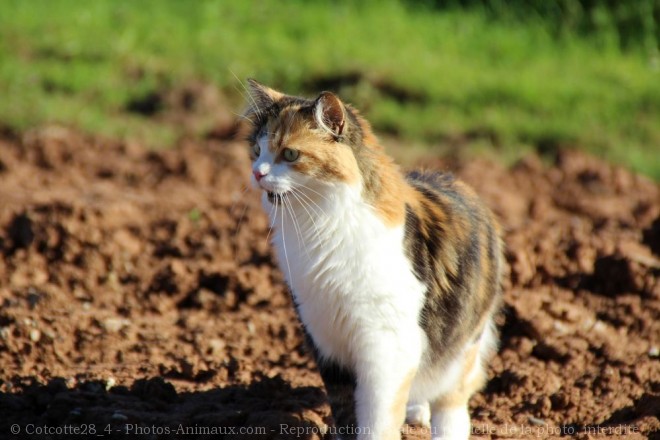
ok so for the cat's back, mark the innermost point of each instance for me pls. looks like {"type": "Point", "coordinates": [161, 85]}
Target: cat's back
{"type": "Point", "coordinates": [448, 193]}
{"type": "Point", "coordinates": [445, 207]}
{"type": "Point", "coordinates": [453, 241]}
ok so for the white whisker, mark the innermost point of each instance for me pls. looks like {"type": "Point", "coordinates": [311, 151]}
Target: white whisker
{"type": "Point", "coordinates": [289, 209]}
{"type": "Point", "coordinates": [314, 191]}
{"type": "Point", "coordinates": [304, 205]}
{"type": "Point", "coordinates": [302, 238]}
{"type": "Point", "coordinates": [300, 194]}
{"type": "Point", "coordinates": [238, 199]}
{"type": "Point", "coordinates": [286, 256]}
{"type": "Point", "coordinates": [243, 117]}
{"type": "Point", "coordinates": [256, 107]}
{"type": "Point", "coordinates": [312, 202]}
{"type": "Point", "coordinates": [240, 220]}
{"type": "Point", "coordinates": [271, 220]}
{"type": "Point", "coordinates": [233, 207]}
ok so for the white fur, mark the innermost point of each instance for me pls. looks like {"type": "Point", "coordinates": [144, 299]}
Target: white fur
{"type": "Point", "coordinates": [356, 294]}
{"type": "Point", "coordinates": [435, 380]}
{"type": "Point", "coordinates": [320, 119]}
{"type": "Point", "coordinates": [418, 413]}
{"type": "Point", "coordinates": [356, 291]}
{"type": "Point", "coordinates": [450, 424]}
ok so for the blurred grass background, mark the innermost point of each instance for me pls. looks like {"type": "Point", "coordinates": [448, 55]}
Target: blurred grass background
{"type": "Point", "coordinates": [469, 76]}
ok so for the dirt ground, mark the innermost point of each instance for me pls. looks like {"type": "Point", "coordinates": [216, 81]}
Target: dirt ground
{"type": "Point", "coordinates": [139, 296]}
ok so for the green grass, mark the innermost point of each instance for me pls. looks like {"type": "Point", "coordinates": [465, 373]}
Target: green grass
{"type": "Point", "coordinates": [452, 78]}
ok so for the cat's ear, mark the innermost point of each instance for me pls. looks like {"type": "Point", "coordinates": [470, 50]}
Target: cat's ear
{"type": "Point", "coordinates": [261, 96]}
{"type": "Point", "coordinates": [329, 113]}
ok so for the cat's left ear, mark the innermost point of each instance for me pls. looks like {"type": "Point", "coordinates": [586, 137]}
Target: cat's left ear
{"type": "Point", "coordinates": [261, 96]}
{"type": "Point", "coordinates": [330, 113]}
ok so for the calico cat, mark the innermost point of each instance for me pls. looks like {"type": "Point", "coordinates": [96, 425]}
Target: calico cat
{"type": "Point", "coordinates": [395, 278]}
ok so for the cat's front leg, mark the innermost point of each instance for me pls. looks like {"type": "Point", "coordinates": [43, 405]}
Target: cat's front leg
{"type": "Point", "coordinates": [381, 395]}
{"type": "Point", "coordinates": [450, 423]}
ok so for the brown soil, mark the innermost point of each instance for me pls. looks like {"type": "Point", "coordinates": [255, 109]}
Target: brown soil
{"type": "Point", "coordinates": [138, 294]}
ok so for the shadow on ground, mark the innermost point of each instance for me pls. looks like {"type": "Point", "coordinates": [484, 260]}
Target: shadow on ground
{"type": "Point", "coordinates": [151, 407]}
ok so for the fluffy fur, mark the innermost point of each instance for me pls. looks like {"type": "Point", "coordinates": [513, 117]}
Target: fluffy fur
{"type": "Point", "coordinates": [395, 278]}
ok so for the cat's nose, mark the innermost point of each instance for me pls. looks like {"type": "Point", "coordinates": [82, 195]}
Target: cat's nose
{"type": "Point", "coordinates": [258, 174]}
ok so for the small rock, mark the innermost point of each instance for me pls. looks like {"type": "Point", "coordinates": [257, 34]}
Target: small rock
{"type": "Point", "coordinates": [536, 421]}
{"type": "Point", "coordinates": [109, 383]}
{"type": "Point", "coordinates": [49, 334]}
{"type": "Point", "coordinates": [7, 385]}
{"type": "Point", "coordinates": [654, 351]}
{"type": "Point", "coordinates": [599, 326]}
{"type": "Point", "coordinates": [561, 328]}
{"type": "Point", "coordinates": [114, 325]}
{"type": "Point", "coordinates": [119, 417]}
{"type": "Point", "coordinates": [35, 335]}
{"type": "Point", "coordinates": [217, 346]}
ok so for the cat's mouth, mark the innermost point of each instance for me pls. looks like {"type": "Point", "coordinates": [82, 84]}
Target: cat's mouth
{"type": "Point", "coordinates": [275, 198]}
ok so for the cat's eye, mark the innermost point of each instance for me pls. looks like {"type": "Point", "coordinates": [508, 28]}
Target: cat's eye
{"type": "Point", "coordinates": [290, 154]}
{"type": "Point", "coordinates": [256, 149]}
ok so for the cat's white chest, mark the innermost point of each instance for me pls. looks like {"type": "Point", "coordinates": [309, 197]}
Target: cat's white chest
{"type": "Point", "coordinates": [350, 277]}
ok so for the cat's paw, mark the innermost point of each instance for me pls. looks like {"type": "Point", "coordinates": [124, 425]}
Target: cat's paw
{"type": "Point", "coordinates": [418, 414]}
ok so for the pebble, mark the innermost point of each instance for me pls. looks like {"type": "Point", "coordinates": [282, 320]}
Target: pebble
{"type": "Point", "coordinates": [654, 351]}
{"type": "Point", "coordinates": [561, 328]}
{"type": "Point", "coordinates": [599, 326]}
{"type": "Point", "coordinates": [109, 383]}
{"type": "Point", "coordinates": [113, 325]}
{"type": "Point", "coordinates": [119, 417]}
{"type": "Point", "coordinates": [536, 421]}
{"type": "Point", "coordinates": [35, 335]}
{"type": "Point", "coordinates": [217, 346]}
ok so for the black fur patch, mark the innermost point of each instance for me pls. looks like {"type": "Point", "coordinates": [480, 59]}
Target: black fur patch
{"type": "Point", "coordinates": [450, 315]}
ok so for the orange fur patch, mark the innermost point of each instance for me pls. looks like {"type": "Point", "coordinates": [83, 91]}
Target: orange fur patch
{"type": "Point", "coordinates": [319, 157]}
{"type": "Point", "coordinates": [390, 203]}
{"type": "Point", "coordinates": [399, 406]}
{"type": "Point", "coordinates": [466, 385]}
{"type": "Point", "coordinates": [385, 186]}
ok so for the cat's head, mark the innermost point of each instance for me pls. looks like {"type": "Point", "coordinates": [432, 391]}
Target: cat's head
{"type": "Point", "coordinates": [297, 143]}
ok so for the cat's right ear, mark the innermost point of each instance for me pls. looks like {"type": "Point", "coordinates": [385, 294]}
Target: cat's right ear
{"type": "Point", "coordinates": [330, 114]}
{"type": "Point", "coordinates": [261, 96]}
